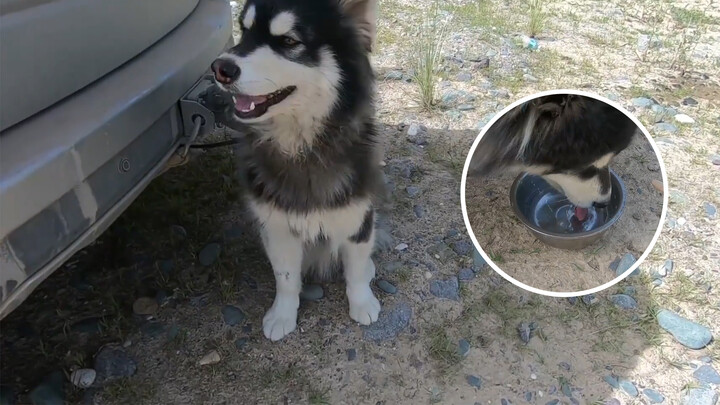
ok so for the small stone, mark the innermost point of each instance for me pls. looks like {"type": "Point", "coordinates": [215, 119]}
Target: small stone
{"type": "Point", "coordinates": [655, 397]}
{"type": "Point", "coordinates": [612, 381]}
{"type": "Point", "coordinates": [566, 390]}
{"type": "Point", "coordinates": [685, 331]}
{"type": "Point", "coordinates": [563, 365]}
{"type": "Point", "coordinates": [386, 286]}
{"type": "Point", "coordinates": [401, 247]}
{"type": "Point", "coordinates": [657, 184]}
{"type": "Point", "coordinates": [589, 299]}
{"type": "Point", "coordinates": [112, 362]}
{"type": "Point", "coordinates": [211, 358]}
{"type": "Point", "coordinates": [351, 354]}
{"type": "Point", "coordinates": [642, 102]}
{"type": "Point", "coordinates": [412, 191]}
{"type": "Point", "coordinates": [530, 78]}
{"type": "Point", "coordinates": [572, 300]}
{"type": "Point", "coordinates": [463, 347]}
{"type": "Point", "coordinates": [710, 210]}
{"type": "Point", "coordinates": [232, 315]}
{"type": "Point", "coordinates": [413, 130]}
{"type": "Point", "coordinates": [628, 387]}
{"type": "Point", "coordinates": [665, 127]}
{"type": "Point", "coordinates": [624, 301]}
{"type": "Point", "coordinates": [240, 343]}
{"type": "Point", "coordinates": [83, 377]}
{"type": "Point", "coordinates": [529, 396]}
{"type": "Point", "coordinates": [553, 402]}
{"type": "Point", "coordinates": [394, 75]}
{"type": "Point", "coordinates": [474, 381]}
{"type": "Point", "coordinates": [689, 101]}
{"type": "Point", "coordinates": [466, 107]}
{"type": "Point", "coordinates": [715, 159]}
{"type": "Point", "coordinates": [478, 261]}
{"type": "Point", "coordinates": [145, 306]}
{"type": "Point", "coordinates": [312, 292]}
{"type": "Point", "coordinates": [707, 375]}
{"type": "Point", "coordinates": [684, 119]}
{"type": "Point", "coordinates": [700, 396]}
{"type": "Point", "coordinates": [390, 323]}
{"type": "Point", "coordinates": [209, 254]}
{"type": "Point", "coordinates": [466, 275]}
{"type": "Point", "coordinates": [505, 402]}
{"type": "Point", "coordinates": [178, 231]}
{"type": "Point", "coordinates": [624, 265]}
{"type": "Point", "coordinates": [447, 289]}
{"type": "Point", "coordinates": [419, 211]}
{"type": "Point", "coordinates": [525, 332]}
{"type": "Point", "coordinates": [463, 77]}
{"type": "Point", "coordinates": [462, 247]}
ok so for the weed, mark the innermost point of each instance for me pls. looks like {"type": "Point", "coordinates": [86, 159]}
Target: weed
{"type": "Point", "coordinates": [538, 17]}
{"type": "Point", "coordinates": [428, 52]}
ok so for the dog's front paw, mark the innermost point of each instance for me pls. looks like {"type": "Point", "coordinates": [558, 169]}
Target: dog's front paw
{"type": "Point", "coordinates": [364, 307]}
{"type": "Point", "coordinates": [281, 319]}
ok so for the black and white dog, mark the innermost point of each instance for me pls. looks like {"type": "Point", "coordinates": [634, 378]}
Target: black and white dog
{"type": "Point", "coordinates": [567, 139]}
{"type": "Point", "coordinates": [302, 88]}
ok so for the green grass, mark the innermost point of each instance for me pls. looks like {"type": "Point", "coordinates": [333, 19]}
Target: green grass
{"type": "Point", "coordinates": [442, 348]}
{"type": "Point", "coordinates": [427, 53]}
{"type": "Point", "coordinates": [538, 17]}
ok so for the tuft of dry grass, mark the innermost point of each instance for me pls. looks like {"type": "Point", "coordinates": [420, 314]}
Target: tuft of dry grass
{"type": "Point", "coordinates": [427, 55]}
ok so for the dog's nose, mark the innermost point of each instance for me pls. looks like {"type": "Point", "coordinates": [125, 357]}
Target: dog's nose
{"type": "Point", "coordinates": [226, 71]}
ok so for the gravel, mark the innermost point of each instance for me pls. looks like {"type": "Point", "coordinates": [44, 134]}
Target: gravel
{"type": "Point", "coordinates": [390, 323]}
{"type": "Point", "coordinates": [447, 289]}
{"type": "Point", "coordinates": [112, 363]}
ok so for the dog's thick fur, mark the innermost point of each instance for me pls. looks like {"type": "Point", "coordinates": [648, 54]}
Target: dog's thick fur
{"type": "Point", "coordinates": [311, 163]}
{"type": "Point", "coordinates": [570, 140]}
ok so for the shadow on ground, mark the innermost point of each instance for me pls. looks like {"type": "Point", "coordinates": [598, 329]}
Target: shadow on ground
{"type": "Point", "coordinates": [451, 332]}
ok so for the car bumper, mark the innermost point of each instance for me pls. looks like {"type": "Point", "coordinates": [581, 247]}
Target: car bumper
{"type": "Point", "coordinates": [67, 173]}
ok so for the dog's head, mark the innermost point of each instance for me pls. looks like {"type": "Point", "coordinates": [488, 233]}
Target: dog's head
{"type": "Point", "coordinates": [299, 59]}
{"type": "Point", "coordinates": [588, 187]}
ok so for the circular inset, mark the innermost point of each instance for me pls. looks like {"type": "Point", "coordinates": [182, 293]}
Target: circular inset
{"type": "Point", "coordinates": [557, 193]}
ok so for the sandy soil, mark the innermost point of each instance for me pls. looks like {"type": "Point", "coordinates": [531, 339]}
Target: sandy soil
{"type": "Point", "coordinates": [529, 261]}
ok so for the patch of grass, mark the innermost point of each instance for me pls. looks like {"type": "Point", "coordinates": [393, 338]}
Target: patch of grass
{"type": "Point", "coordinates": [481, 14]}
{"type": "Point", "coordinates": [427, 54]}
{"type": "Point", "coordinates": [130, 391]}
{"type": "Point", "coordinates": [318, 397]}
{"type": "Point", "coordinates": [403, 275]}
{"type": "Point", "coordinates": [442, 348]}
{"type": "Point", "coordinates": [496, 257]}
{"type": "Point", "coordinates": [538, 17]}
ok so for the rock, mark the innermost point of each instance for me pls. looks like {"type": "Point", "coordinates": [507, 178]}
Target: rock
{"type": "Point", "coordinates": [416, 135]}
{"type": "Point", "coordinates": [715, 159]}
{"type": "Point", "coordinates": [394, 75]}
{"type": "Point", "coordinates": [447, 289]}
{"type": "Point", "coordinates": [684, 119]}
{"type": "Point", "coordinates": [710, 210]}
{"type": "Point", "coordinates": [685, 331]}
{"type": "Point", "coordinates": [700, 396]}
{"type": "Point", "coordinates": [312, 292]}
{"type": "Point", "coordinates": [553, 402]}
{"type": "Point", "coordinates": [351, 354]}
{"type": "Point", "coordinates": [498, 93]}
{"type": "Point", "coordinates": [624, 301]}
{"type": "Point", "coordinates": [628, 387]}
{"type": "Point", "coordinates": [612, 381]}
{"type": "Point", "coordinates": [689, 101]}
{"type": "Point", "coordinates": [463, 77]}
{"type": "Point", "coordinates": [152, 329]}
{"type": "Point", "coordinates": [564, 365]}
{"type": "Point", "coordinates": [665, 127]}
{"type": "Point", "coordinates": [401, 247]}
{"type": "Point", "coordinates": [390, 323]}
{"type": "Point", "coordinates": [178, 231]}
{"type": "Point", "coordinates": [234, 231]}
{"type": "Point", "coordinates": [572, 300]}
{"type": "Point", "coordinates": [465, 107]}
{"type": "Point", "coordinates": [525, 330]}
{"type": "Point", "coordinates": [530, 78]}
{"type": "Point", "coordinates": [654, 396]}
{"type": "Point", "coordinates": [209, 254]}
{"type": "Point", "coordinates": [642, 102]}
{"type": "Point", "coordinates": [419, 211]}
{"type": "Point", "coordinates": [392, 266]}
{"type": "Point", "coordinates": [707, 375]}
{"type": "Point", "coordinates": [462, 247]}
{"type": "Point", "coordinates": [474, 381]}
{"type": "Point", "coordinates": [386, 286]}
{"type": "Point", "coordinates": [83, 377]}
{"type": "Point", "coordinates": [463, 347]}
{"type": "Point", "coordinates": [624, 265]}
{"type": "Point", "coordinates": [240, 343]}
{"type": "Point", "coordinates": [412, 191]}
{"type": "Point", "coordinates": [478, 261]}
{"type": "Point", "coordinates": [211, 358]}
{"type": "Point", "coordinates": [466, 275]}
{"type": "Point", "coordinates": [657, 184]}
{"type": "Point", "coordinates": [49, 391]}
{"type": "Point", "coordinates": [145, 306]}
{"type": "Point", "coordinates": [566, 390]}
{"type": "Point", "coordinates": [589, 299]}
{"type": "Point", "coordinates": [112, 362]}
{"type": "Point", "coordinates": [232, 315]}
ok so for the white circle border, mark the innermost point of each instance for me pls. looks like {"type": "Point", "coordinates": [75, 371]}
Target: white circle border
{"type": "Point", "coordinates": [617, 279]}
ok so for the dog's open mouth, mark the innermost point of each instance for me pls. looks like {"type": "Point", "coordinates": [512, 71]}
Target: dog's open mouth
{"type": "Point", "coordinates": [254, 106]}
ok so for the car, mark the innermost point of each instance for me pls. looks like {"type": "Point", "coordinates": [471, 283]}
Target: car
{"type": "Point", "coordinates": [96, 100]}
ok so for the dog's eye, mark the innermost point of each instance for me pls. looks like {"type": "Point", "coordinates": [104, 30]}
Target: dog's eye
{"type": "Point", "coordinates": [290, 41]}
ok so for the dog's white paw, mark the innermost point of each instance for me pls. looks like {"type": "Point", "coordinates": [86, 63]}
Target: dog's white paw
{"type": "Point", "coordinates": [281, 319]}
{"type": "Point", "coordinates": [364, 307]}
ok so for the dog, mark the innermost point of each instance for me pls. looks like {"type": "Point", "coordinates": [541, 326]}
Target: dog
{"type": "Point", "coordinates": [302, 91]}
{"type": "Point", "coordinates": [569, 140]}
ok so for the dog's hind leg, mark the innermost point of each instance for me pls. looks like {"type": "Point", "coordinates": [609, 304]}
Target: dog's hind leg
{"type": "Point", "coordinates": [359, 271]}
{"type": "Point", "coordinates": [285, 252]}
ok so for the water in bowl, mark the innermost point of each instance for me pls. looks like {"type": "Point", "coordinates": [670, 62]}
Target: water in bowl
{"type": "Point", "coordinates": [553, 212]}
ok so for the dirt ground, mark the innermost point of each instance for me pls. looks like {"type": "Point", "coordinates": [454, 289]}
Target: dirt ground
{"type": "Point", "coordinates": [526, 259]}
{"type": "Point", "coordinates": [453, 331]}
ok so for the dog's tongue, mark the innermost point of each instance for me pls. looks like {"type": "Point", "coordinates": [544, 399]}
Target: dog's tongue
{"type": "Point", "coordinates": [248, 103]}
{"type": "Point", "coordinates": [581, 213]}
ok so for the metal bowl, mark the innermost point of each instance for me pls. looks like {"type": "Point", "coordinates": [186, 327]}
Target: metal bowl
{"type": "Point", "coordinates": [547, 213]}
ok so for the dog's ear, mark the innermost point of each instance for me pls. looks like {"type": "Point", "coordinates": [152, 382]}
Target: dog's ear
{"type": "Point", "coordinates": [364, 15]}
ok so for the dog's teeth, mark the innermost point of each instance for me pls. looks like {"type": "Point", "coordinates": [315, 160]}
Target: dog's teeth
{"type": "Point", "coordinates": [252, 106]}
